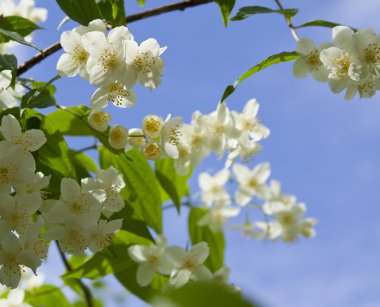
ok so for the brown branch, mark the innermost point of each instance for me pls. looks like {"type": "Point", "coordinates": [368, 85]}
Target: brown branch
{"type": "Point", "coordinates": [180, 6]}
{"type": "Point", "coordinates": [86, 291]}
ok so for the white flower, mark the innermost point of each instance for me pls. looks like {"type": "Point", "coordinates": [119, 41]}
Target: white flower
{"type": "Point", "coordinates": [30, 240]}
{"type": "Point", "coordinates": [213, 187]}
{"type": "Point", "coordinates": [217, 217]}
{"type": "Point", "coordinates": [7, 100]}
{"type": "Point", "coordinates": [288, 224]}
{"type": "Point", "coordinates": [170, 136]}
{"type": "Point", "coordinates": [118, 93]}
{"type": "Point", "coordinates": [118, 137]}
{"type": "Point", "coordinates": [30, 140]}
{"type": "Point", "coordinates": [16, 211]}
{"type": "Point", "coordinates": [152, 125]}
{"type": "Point", "coordinates": [12, 257]}
{"type": "Point", "coordinates": [188, 264]}
{"type": "Point", "coordinates": [112, 183]}
{"type": "Point", "coordinates": [220, 129]}
{"type": "Point", "coordinates": [256, 230]}
{"type": "Point", "coordinates": [99, 119]}
{"type": "Point", "coordinates": [274, 196]}
{"type": "Point", "coordinates": [38, 182]}
{"type": "Point", "coordinates": [77, 201]}
{"type": "Point", "coordinates": [16, 166]}
{"type": "Point", "coordinates": [152, 150]}
{"type": "Point", "coordinates": [136, 137]}
{"type": "Point", "coordinates": [309, 62]}
{"type": "Point", "coordinates": [243, 147]}
{"type": "Point", "coordinates": [367, 49]}
{"type": "Point", "coordinates": [251, 182]}
{"type": "Point", "coordinates": [144, 62]}
{"type": "Point", "coordinates": [15, 298]}
{"type": "Point", "coordinates": [248, 123]}
{"type": "Point", "coordinates": [151, 259]}
{"type": "Point", "coordinates": [106, 63]}
{"type": "Point", "coordinates": [366, 88]}
{"type": "Point", "coordinates": [73, 234]}
{"type": "Point", "coordinates": [100, 234]}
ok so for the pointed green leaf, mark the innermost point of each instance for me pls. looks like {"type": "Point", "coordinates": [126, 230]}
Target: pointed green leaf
{"type": "Point", "coordinates": [82, 11]}
{"type": "Point", "coordinates": [16, 24]}
{"type": "Point", "coordinates": [318, 23]}
{"type": "Point", "coordinates": [274, 59]}
{"type": "Point", "coordinates": [249, 11]}
{"type": "Point", "coordinates": [112, 11]}
{"type": "Point", "coordinates": [10, 35]}
{"type": "Point", "coordinates": [174, 185]}
{"type": "Point", "coordinates": [226, 7]}
{"type": "Point", "coordinates": [47, 296]}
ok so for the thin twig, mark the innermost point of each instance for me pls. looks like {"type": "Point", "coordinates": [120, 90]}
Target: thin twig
{"type": "Point", "coordinates": [289, 22]}
{"type": "Point", "coordinates": [180, 6]}
{"type": "Point", "coordinates": [86, 291]}
{"type": "Point", "coordinates": [91, 147]}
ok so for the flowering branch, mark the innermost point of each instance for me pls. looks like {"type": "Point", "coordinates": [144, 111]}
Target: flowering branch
{"type": "Point", "coordinates": [289, 22]}
{"type": "Point", "coordinates": [180, 6]}
{"type": "Point", "coordinates": [86, 291]}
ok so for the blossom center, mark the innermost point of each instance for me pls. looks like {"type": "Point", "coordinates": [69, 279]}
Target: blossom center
{"type": "Point", "coordinates": [372, 53]}
{"type": "Point", "coordinates": [7, 173]}
{"type": "Point", "coordinates": [108, 59]}
{"type": "Point", "coordinates": [117, 93]}
{"type": "Point", "coordinates": [78, 55]}
{"type": "Point", "coordinates": [341, 65]}
{"type": "Point", "coordinates": [143, 63]}
{"type": "Point", "coordinates": [313, 60]}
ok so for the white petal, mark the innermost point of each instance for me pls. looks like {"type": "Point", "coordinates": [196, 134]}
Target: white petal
{"type": "Point", "coordinates": [95, 43]}
{"type": "Point", "coordinates": [200, 252]}
{"type": "Point", "coordinates": [66, 67]}
{"type": "Point", "coordinates": [145, 275]}
{"type": "Point", "coordinates": [99, 99]}
{"type": "Point", "coordinates": [70, 40]}
{"type": "Point", "coordinates": [10, 127]}
{"type": "Point", "coordinates": [179, 278]}
{"type": "Point", "coordinates": [69, 188]}
{"type": "Point", "coordinates": [36, 138]}
{"type": "Point", "coordinates": [305, 46]}
{"type": "Point", "coordinates": [300, 68]}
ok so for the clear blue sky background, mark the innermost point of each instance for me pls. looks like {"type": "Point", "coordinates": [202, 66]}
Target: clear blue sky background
{"type": "Point", "coordinates": [323, 149]}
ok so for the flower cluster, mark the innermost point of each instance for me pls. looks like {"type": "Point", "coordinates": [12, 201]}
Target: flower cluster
{"type": "Point", "coordinates": [25, 9]}
{"type": "Point", "coordinates": [179, 264]}
{"type": "Point", "coordinates": [113, 61]}
{"type": "Point", "coordinates": [283, 213]}
{"type": "Point", "coordinates": [222, 131]}
{"type": "Point", "coordinates": [75, 220]}
{"type": "Point", "coordinates": [7, 94]}
{"type": "Point", "coordinates": [20, 198]}
{"type": "Point", "coordinates": [351, 62]}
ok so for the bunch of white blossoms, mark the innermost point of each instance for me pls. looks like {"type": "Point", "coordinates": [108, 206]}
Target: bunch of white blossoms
{"type": "Point", "coordinates": [25, 9]}
{"type": "Point", "coordinates": [221, 131]}
{"type": "Point", "coordinates": [179, 264]}
{"type": "Point", "coordinates": [75, 220]}
{"type": "Point", "coordinates": [20, 199]}
{"type": "Point", "coordinates": [113, 61]}
{"type": "Point", "coordinates": [283, 213]}
{"type": "Point", "coordinates": [351, 62]}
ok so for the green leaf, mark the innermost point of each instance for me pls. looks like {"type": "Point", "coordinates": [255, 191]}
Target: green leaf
{"type": "Point", "coordinates": [41, 95]}
{"type": "Point", "coordinates": [174, 185]}
{"type": "Point", "coordinates": [70, 124]}
{"type": "Point", "coordinates": [318, 23]}
{"type": "Point", "coordinates": [215, 240]}
{"type": "Point", "coordinates": [142, 186]}
{"type": "Point", "coordinates": [274, 59]}
{"type": "Point", "coordinates": [226, 7]}
{"type": "Point", "coordinates": [113, 11]}
{"type": "Point", "coordinates": [47, 296]}
{"type": "Point", "coordinates": [82, 11]}
{"type": "Point", "coordinates": [9, 62]}
{"type": "Point", "coordinates": [16, 24]}
{"type": "Point", "coordinates": [9, 35]}
{"type": "Point", "coordinates": [141, 2]}
{"type": "Point", "coordinates": [204, 294]}
{"type": "Point", "coordinates": [83, 164]}
{"type": "Point", "coordinates": [249, 11]}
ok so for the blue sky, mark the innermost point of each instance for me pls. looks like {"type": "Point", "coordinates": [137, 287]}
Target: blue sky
{"type": "Point", "coordinates": [322, 148]}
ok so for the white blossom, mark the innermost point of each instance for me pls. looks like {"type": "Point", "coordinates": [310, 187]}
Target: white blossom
{"type": "Point", "coordinates": [213, 187]}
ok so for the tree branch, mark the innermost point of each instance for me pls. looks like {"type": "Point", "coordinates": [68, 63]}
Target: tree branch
{"type": "Point", "coordinates": [86, 291]}
{"type": "Point", "coordinates": [289, 22]}
{"type": "Point", "coordinates": [180, 6]}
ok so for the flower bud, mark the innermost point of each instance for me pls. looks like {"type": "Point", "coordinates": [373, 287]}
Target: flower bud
{"type": "Point", "coordinates": [135, 138]}
{"type": "Point", "coordinates": [98, 119]}
{"type": "Point", "coordinates": [152, 125]}
{"type": "Point", "coordinates": [118, 137]}
{"type": "Point", "coordinates": [152, 150]}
